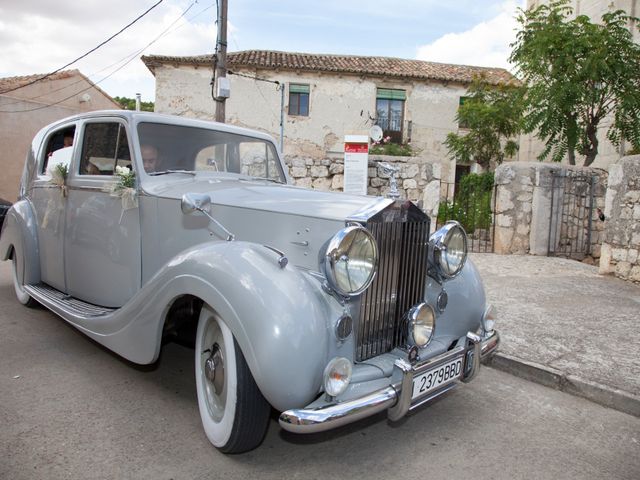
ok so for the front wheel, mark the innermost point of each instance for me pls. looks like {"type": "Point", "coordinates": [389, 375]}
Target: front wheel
{"type": "Point", "coordinates": [234, 413]}
{"type": "Point", "coordinates": [23, 297]}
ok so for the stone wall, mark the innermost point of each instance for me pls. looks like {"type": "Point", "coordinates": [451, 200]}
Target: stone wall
{"type": "Point", "coordinates": [418, 179]}
{"type": "Point", "coordinates": [524, 194]}
{"type": "Point", "coordinates": [621, 246]}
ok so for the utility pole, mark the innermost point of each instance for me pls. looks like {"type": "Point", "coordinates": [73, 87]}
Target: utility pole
{"type": "Point", "coordinates": [221, 59]}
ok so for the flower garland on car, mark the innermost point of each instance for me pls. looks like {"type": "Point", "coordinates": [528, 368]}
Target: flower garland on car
{"type": "Point", "coordinates": [124, 188]}
{"type": "Point", "coordinates": [59, 173]}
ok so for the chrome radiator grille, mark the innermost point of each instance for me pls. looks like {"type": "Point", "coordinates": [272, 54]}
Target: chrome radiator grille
{"type": "Point", "coordinates": [402, 233]}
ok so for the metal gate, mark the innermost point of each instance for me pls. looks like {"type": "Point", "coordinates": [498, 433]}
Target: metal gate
{"type": "Point", "coordinates": [571, 216]}
{"type": "Point", "coordinates": [475, 211]}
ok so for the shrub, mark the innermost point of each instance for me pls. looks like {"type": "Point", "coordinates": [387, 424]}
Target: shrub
{"type": "Point", "coordinates": [471, 204]}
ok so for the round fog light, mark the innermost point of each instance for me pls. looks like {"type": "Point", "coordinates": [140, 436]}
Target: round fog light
{"type": "Point", "coordinates": [422, 322]}
{"type": "Point", "coordinates": [337, 376]}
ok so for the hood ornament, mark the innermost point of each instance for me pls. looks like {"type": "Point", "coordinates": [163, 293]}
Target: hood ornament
{"type": "Point", "coordinates": [392, 171]}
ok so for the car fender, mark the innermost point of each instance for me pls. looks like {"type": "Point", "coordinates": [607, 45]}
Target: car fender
{"type": "Point", "coordinates": [277, 315]}
{"type": "Point", "coordinates": [19, 233]}
{"type": "Point", "coordinates": [465, 306]}
{"type": "Point", "coordinates": [277, 318]}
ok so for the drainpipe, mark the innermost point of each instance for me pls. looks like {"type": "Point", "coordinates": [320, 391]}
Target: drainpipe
{"type": "Point", "coordinates": [138, 97]}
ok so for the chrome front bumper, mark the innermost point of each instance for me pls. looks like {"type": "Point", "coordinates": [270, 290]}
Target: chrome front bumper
{"type": "Point", "coordinates": [396, 399]}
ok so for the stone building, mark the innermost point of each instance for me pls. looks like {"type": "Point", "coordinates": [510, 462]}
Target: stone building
{"type": "Point", "coordinates": [27, 105]}
{"type": "Point", "coordinates": [325, 98]}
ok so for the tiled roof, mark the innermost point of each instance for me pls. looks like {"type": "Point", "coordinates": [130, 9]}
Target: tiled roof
{"type": "Point", "coordinates": [13, 82]}
{"type": "Point", "coordinates": [343, 64]}
{"type": "Point", "coordinates": [10, 83]}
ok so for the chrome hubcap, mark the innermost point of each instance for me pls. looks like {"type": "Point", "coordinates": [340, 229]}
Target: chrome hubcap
{"type": "Point", "coordinates": [214, 369]}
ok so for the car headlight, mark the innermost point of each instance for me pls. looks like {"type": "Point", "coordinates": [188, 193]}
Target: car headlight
{"type": "Point", "coordinates": [421, 325]}
{"type": "Point", "coordinates": [350, 261]}
{"type": "Point", "coordinates": [449, 246]}
{"type": "Point", "coordinates": [337, 376]}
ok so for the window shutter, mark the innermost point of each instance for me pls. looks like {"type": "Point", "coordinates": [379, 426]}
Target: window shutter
{"type": "Point", "coordinates": [390, 94]}
{"type": "Point", "coordinates": [297, 88]}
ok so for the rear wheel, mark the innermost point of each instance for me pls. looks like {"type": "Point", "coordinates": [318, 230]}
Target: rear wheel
{"type": "Point", "coordinates": [23, 297]}
{"type": "Point", "coordinates": [234, 413]}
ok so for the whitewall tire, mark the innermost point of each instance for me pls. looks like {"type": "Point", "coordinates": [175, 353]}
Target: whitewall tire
{"type": "Point", "coordinates": [234, 413]}
{"type": "Point", "coordinates": [22, 296]}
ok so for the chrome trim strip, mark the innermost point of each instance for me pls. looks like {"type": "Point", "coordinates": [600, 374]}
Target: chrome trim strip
{"type": "Point", "coordinates": [395, 398]}
{"type": "Point", "coordinates": [58, 300]}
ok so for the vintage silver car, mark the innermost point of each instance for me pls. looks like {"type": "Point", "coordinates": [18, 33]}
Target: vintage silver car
{"type": "Point", "coordinates": [325, 306]}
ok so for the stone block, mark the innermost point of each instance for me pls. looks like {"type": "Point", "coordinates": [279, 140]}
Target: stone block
{"type": "Point", "coordinates": [323, 184]}
{"type": "Point", "coordinates": [325, 162]}
{"type": "Point", "coordinates": [502, 240]}
{"type": "Point", "coordinates": [632, 196]}
{"type": "Point", "coordinates": [616, 174]}
{"type": "Point", "coordinates": [503, 200]}
{"type": "Point", "coordinates": [373, 191]}
{"type": "Point", "coordinates": [632, 256]}
{"type": "Point", "coordinates": [636, 212]}
{"type": "Point", "coordinates": [303, 182]}
{"type": "Point", "coordinates": [378, 182]}
{"type": "Point", "coordinates": [372, 172]}
{"type": "Point", "coordinates": [336, 168]}
{"type": "Point", "coordinates": [522, 229]}
{"type": "Point", "coordinates": [298, 172]}
{"type": "Point", "coordinates": [605, 259]}
{"type": "Point", "coordinates": [319, 171]}
{"type": "Point", "coordinates": [635, 239]}
{"type": "Point", "coordinates": [298, 162]}
{"type": "Point", "coordinates": [431, 197]}
{"type": "Point", "coordinates": [308, 162]}
{"type": "Point", "coordinates": [634, 274]}
{"type": "Point", "coordinates": [437, 170]}
{"type": "Point", "coordinates": [409, 171]}
{"type": "Point", "coordinates": [413, 194]}
{"type": "Point", "coordinates": [623, 269]}
{"type": "Point", "coordinates": [504, 221]}
{"type": "Point", "coordinates": [337, 182]}
{"type": "Point", "coordinates": [409, 183]}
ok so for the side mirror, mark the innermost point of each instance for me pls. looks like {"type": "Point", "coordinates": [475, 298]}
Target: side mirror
{"type": "Point", "coordinates": [195, 202]}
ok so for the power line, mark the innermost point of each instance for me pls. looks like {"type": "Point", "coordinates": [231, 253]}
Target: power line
{"type": "Point", "coordinates": [84, 55]}
{"type": "Point", "coordinates": [130, 57]}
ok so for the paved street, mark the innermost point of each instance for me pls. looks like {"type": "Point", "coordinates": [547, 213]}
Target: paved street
{"type": "Point", "coordinates": [563, 315]}
{"type": "Point", "coordinates": [77, 411]}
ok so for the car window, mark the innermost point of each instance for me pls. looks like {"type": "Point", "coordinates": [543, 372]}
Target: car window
{"type": "Point", "coordinates": [201, 149]}
{"type": "Point", "coordinates": [59, 147]}
{"type": "Point", "coordinates": [104, 146]}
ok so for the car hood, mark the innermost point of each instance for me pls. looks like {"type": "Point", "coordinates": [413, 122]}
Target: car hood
{"type": "Point", "coordinates": [268, 197]}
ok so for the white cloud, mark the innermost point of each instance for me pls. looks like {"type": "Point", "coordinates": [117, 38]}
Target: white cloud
{"type": "Point", "coordinates": [36, 40]}
{"type": "Point", "coordinates": [486, 44]}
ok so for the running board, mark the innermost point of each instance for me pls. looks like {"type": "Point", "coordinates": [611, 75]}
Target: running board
{"type": "Point", "coordinates": [53, 298]}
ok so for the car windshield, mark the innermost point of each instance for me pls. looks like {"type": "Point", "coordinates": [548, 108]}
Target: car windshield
{"type": "Point", "coordinates": [179, 149]}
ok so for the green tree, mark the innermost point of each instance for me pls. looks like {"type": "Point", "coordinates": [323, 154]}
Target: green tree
{"type": "Point", "coordinates": [491, 116]}
{"type": "Point", "coordinates": [578, 75]}
{"type": "Point", "coordinates": [130, 104]}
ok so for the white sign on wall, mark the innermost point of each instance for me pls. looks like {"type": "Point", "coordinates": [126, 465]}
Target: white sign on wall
{"type": "Point", "coordinates": [356, 162]}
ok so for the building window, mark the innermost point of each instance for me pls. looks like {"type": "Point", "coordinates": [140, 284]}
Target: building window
{"type": "Point", "coordinates": [298, 99]}
{"type": "Point", "coordinates": [390, 112]}
{"type": "Point", "coordinates": [460, 123]}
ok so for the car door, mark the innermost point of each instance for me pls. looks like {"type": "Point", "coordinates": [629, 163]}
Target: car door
{"type": "Point", "coordinates": [49, 201]}
{"type": "Point", "coordinates": [102, 237]}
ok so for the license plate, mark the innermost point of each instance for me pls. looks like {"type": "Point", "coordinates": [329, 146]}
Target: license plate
{"type": "Point", "coordinates": [436, 377]}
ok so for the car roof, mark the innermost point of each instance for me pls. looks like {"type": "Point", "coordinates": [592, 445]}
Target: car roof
{"type": "Point", "coordinates": [137, 117]}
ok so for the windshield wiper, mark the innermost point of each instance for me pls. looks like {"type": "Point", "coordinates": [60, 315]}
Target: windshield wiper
{"type": "Point", "coordinates": [164, 172]}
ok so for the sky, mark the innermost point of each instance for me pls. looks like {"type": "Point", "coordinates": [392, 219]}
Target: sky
{"type": "Point", "coordinates": [40, 36]}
